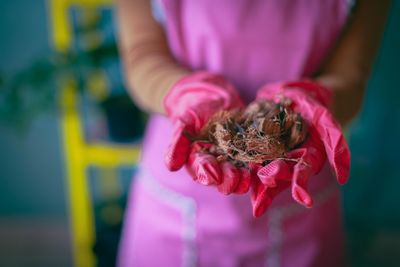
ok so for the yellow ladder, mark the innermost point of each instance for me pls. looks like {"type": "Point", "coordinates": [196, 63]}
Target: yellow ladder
{"type": "Point", "coordinates": [79, 155]}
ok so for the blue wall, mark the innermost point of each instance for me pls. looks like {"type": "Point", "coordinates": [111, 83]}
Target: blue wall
{"type": "Point", "coordinates": [31, 176]}
{"type": "Point", "coordinates": [373, 192]}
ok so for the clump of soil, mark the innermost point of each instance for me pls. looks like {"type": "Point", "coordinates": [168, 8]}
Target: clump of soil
{"type": "Point", "coordinates": [264, 131]}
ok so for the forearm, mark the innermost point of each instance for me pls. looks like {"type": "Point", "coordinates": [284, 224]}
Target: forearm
{"type": "Point", "coordinates": [347, 69]}
{"type": "Point", "coordinates": [150, 70]}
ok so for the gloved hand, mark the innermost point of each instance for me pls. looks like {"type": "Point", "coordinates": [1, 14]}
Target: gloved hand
{"type": "Point", "coordinates": [325, 141]}
{"type": "Point", "coordinates": [189, 104]}
{"type": "Point", "coordinates": [207, 170]}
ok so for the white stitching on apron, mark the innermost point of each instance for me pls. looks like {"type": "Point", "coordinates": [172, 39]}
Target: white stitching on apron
{"type": "Point", "coordinates": [278, 215]}
{"type": "Point", "coordinates": [187, 208]}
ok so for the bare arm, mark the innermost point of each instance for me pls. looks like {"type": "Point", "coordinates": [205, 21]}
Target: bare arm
{"type": "Point", "coordinates": [348, 67]}
{"type": "Point", "coordinates": [150, 69]}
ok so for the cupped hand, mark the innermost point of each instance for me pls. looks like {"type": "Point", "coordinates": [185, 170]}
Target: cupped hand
{"type": "Point", "coordinates": [190, 104]}
{"type": "Point", "coordinates": [325, 141]}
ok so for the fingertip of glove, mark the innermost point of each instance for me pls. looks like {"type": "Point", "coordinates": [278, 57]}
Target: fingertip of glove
{"type": "Point", "coordinates": [259, 200]}
{"type": "Point", "coordinates": [173, 163]}
{"type": "Point", "coordinates": [302, 196]}
{"type": "Point", "coordinates": [224, 190]}
{"type": "Point", "coordinates": [267, 174]}
{"type": "Point", "coordinates": [231, 177]}
{"type": "Point", "coordinates": [178, 151]}
{"type": "Point", "coordinates": [172, 166]}
{"type": "Point", "coordinates": [343, 177]}
{"type": "Point", "coordinates": [242, 188]}
{"type": "Point", "coordinates": [208, 174]}
{"type": "Point", "coordinates": [244, 183]}
{"type": "Point", "coordinates": [259, 209]}
{"type": "Point", "coordinates": [276, 170]}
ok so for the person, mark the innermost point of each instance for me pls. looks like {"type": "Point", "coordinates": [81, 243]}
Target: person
{"type": "Point", "coordinates": [171, 220]}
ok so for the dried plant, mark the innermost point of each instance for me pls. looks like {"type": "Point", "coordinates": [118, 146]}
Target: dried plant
{"type": "Point", "coordinates": [264, 131]}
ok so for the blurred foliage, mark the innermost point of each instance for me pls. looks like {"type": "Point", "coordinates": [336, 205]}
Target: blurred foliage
{"type": "Point", "coordinates": [33, 89]}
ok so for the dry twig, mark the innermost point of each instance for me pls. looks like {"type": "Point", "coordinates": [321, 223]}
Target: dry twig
{"type": "Point", "coordinates": [264, 131]}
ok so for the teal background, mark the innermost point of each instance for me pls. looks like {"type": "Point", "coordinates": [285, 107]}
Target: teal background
{"type": "Point", "coordinates": [375, 136]}
{"type": "Point", "coordinates": [34, 226]}
{"type": "Point", "coordinates": [32, 189]}
{"type": "Point", "coordinates": [372, 196]}
{"type": "Point", "coordinates": [31, 176]}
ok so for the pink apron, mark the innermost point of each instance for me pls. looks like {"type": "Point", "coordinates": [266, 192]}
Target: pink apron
{"type": "Point", "coordinates": [173, 221]}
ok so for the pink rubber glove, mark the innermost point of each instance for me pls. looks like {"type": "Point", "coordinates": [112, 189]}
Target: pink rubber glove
{"type": "Point", "coordinates": [325, 141]}
{"type": "Point", "coordinates": [189, 104]}
{"type": "Point", "coordinates": [207, 170]}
